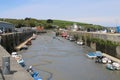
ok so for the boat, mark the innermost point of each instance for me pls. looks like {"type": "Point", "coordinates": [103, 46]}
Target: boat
{"type": "Point", "coordinates": [24, 47]}
{"type": "Point", "coordinates": [94, 54]}
{"type": "Point", "coordinates": [14, 54]}
{"type": "Point", "coordinates": [106, 60]}
{"type": "Point", "coordinates": [113, 66]}
{"type": "Point", "coordinates": [80, 42]}
{"type": "Point", "coordinates": [110, 66]}
{"type": "Point", "coordinates": [36, 77]}
{"type": "Point", "coordinates": [91, 55]}
{"type": "Point", "coordinates": [21, 62]}
{"type": "Point", "coordinates": [116, 65]}
{"type": "Point", "coordinates": [34, 73]}
{"type": "Point", "coordinates": [34, 36]}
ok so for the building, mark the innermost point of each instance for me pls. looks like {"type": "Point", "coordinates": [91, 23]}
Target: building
{"type": "Point", "coordinates": [74, 27]}
{"type": "Point", "coordinates": [6, 27]}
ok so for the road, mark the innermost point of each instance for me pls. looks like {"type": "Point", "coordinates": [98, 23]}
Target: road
{"type": "Point", "coordinates": [60, 59]}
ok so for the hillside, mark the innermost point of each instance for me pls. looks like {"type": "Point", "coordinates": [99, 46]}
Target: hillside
{"type": "Point", "coordinates": [31, 22]}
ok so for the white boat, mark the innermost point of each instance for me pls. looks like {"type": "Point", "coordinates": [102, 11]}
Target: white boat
{"type": "Point", "coordinates": [34, 36]}
{"type": "Point", "coordinates": [113, 66]}
{"type": "Point", "coordinates": [14, 54]}
{"type": "Point", "coordinates": [116, 65]}
{"type": "Point", "coordinates": [79, 42]}
{"type": "Point", "coordinates": [106, 60]}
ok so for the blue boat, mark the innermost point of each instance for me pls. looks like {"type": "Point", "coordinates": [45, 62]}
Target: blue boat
{"type": "Point", "coordinates": [21, 62]}
{"type": "Point", "coordinates": [94, 54]}
{"type": "Point", "coordinates": [35, 76]}
{"type": "Point", "coordinates": [34, 73]}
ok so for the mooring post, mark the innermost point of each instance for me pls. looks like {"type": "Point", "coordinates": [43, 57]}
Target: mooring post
{"type": "Point", "coordinates": [6, 65]}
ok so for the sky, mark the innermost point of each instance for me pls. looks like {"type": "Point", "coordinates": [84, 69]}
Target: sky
{"type": "Point", "coordinates": [99, 12]}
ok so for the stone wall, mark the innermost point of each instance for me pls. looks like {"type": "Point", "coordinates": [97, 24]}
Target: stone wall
{"type": "Point", "coordinates": [10, 40]}
{"type": "Point", "coordinates": [111, 50]}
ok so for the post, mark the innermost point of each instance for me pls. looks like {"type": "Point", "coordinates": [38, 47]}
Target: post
{"type": "Point", "coordinates": [6, 65]}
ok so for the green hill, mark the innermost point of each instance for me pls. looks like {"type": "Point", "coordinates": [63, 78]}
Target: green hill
{"type": "Point", "coordinates": [31, 22]}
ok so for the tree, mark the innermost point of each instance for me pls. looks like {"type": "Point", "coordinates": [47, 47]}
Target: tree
{"type": "Point", "coordinates": [49, 21]}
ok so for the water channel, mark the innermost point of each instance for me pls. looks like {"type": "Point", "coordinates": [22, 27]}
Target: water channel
{"type": "Point", "coordinates": [60, 59]}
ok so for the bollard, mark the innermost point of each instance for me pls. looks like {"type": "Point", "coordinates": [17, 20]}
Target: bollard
{"type": "Point", "coordinates": [6, 65]}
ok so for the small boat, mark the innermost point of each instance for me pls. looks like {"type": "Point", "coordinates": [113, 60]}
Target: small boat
{"type": "Point", "coordinates": [113, 66]}
{"type": "Point", "coordinates": [35, 76]}
{"type": "Point", "coordinates": [110, 66]}
{"type": "Point", "coordinates": [34, 73]}
{"type": "Point", "coordinates": [106, 60]}
{"type": "Point", "coordinates": [71, 38]}
{"type": "Point", "coordinates": [91, 55]}
{"type": "Point", "coordinates": [34, 36]}
{"type": "Point", "coordinates": [14, 54]}
{"type": "Point", "coordinates": [116, 65]}
{"type": "Point", "coordinates": [94, 54]}
{"type": "Point", "coordinates": [79, 42]}
{"type": "Point", "coordinates": [21, 62]}
{"type": "Point", "coordinates": [25, 47]}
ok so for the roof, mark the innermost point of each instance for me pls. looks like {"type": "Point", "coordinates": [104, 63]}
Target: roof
{"type": "Point", "coordinates": [5, 22]}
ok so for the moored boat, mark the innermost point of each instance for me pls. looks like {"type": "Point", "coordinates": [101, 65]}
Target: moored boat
{"type": "Point", "coordinates": [34, 73]}
{"type": "Point", "coordinates": [94, 54]}
{"type": "Point", "coordinates": [21, 62]}
{"type": "Point", "coordinates": [110, 66]}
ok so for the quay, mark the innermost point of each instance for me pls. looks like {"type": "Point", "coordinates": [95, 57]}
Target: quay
{"type": "Point", "coordinates": [16, 71]}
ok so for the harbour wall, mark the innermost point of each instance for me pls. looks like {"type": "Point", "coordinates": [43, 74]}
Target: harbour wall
{"type": "Point", "coordinates": [16, 71]}
{"type": "Point", "coordinates": [10, 40]}
{"type": "Point", "coordinates": [108, 43]}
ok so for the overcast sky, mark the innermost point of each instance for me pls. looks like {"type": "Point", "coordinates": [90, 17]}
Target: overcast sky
{"type": "Point", "coordinates": [101, 12]}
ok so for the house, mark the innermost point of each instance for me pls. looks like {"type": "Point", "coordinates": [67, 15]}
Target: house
{"type": "Point", "coordinates": [6, 27]}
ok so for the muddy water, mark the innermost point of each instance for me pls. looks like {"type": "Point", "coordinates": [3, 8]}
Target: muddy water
{"type": "Point", "coordinates": [60, 59]}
